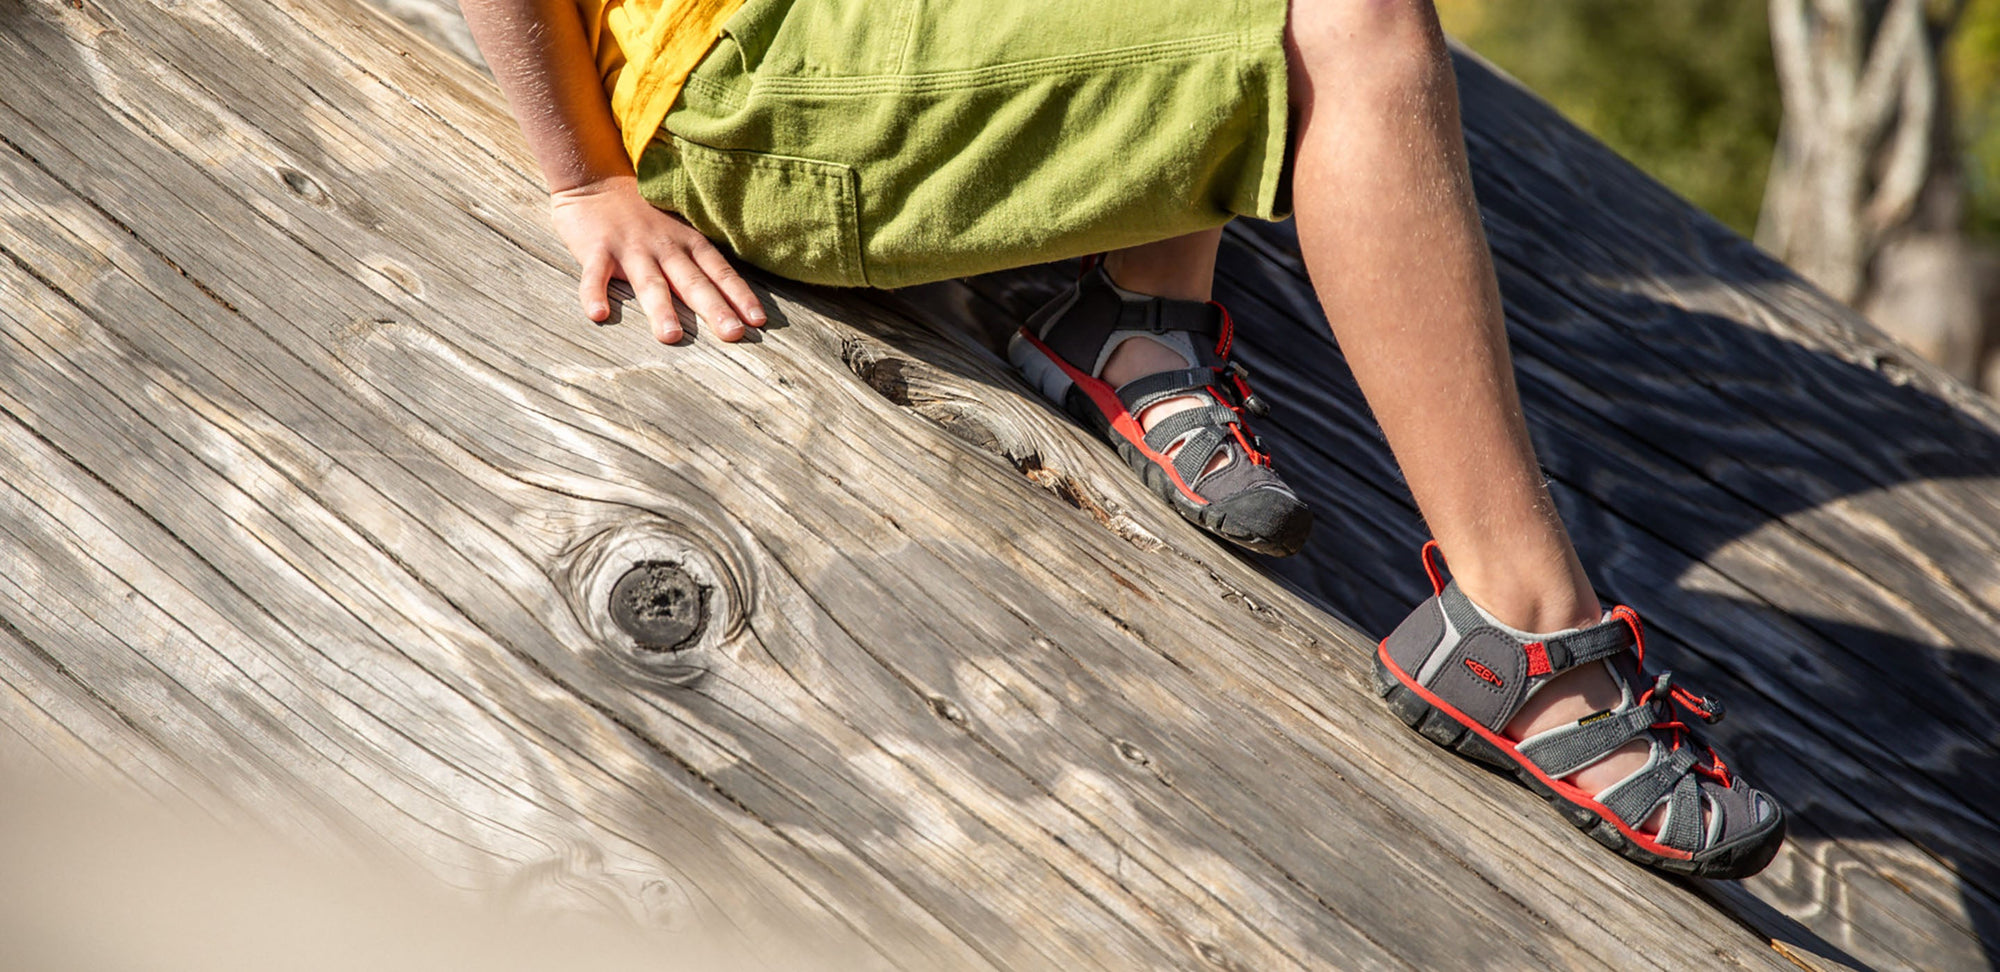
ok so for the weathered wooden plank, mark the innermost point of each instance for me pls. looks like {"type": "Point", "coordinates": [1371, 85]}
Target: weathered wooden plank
{"type": "Point", "coordinates": [397, 715]}
{"type": "Point", "coordinates": [1805, 519]}
{"type": "Point", "coordinates": [947, 718]}
{"type": "Point", "coordinates": [1876, 500]}
{"type": "Point", "coordinates": [342, 506]}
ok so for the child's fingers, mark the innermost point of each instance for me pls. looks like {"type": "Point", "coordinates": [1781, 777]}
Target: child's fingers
{"type": "Point", "coordinates": [591, 288]}
{"type": "Point", "coordinates": [702, 295]}
{"type": "Point", "coordinates": [733, 286]}
{"type": "Point", "coordinates": [654, 295]}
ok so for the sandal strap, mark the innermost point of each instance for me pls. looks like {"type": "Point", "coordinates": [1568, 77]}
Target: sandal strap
{"type": "Point", "coordinates": [1179, 424]}
{"type": "Point", "coordinates": [1093, 317]}
{"type": "Point", "coordinates": [1141, 392]}
{"type": "Point", "coordinates": [1600, 640]}
{"type": "Point", "coordinates": [1682, 829]}
{"type": "Point", "coordinates": [1558, 653]}
{"type": "Point", "coordinates": [1633, 798]}
{"type": "Point", "coordinates": [1568, 748]}
{"type": "Point", "coordinates": [1160, 315]}
{"type": "Point", "coordinates": [1196, 452]}
{"type": "Point", "coordinates": [1200, 431]}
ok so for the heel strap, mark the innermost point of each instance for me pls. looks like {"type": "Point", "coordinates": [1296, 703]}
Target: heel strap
{"type": "Point", "coordinates": [1159, 315]}
{"type": "Point", "coordinates": [1551, 655]}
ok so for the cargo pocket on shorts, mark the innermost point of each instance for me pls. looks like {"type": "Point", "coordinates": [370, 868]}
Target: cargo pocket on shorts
{"type": "Point", "coordinates": [797, 218]}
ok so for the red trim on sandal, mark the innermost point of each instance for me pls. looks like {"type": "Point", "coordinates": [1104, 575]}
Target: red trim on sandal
{"type": "Point", "coordinates": [1106, 399]}
{"type": "Point", "coordinates": [1564, 790]}
{"type": "Point", "coordinates": [1677, 730]}
{"type": "Point", "coordinates": [1431, 553]}
{"type": "Point", "coordinates": [1228, 331]}
{"type": "Point", "coordinates": [1538, 658]}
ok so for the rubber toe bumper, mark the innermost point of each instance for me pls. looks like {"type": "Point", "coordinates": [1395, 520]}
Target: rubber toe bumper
{"type": "Point", "coordinates": [1269, 521]}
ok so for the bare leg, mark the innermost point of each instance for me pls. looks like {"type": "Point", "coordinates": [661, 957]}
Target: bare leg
{"type": "Point", "coordinates": [1393, 242]}
{"type": "Point", "coordinates": [1391, 236]}
{"type": "Point", "coordinates": [1182, 267]}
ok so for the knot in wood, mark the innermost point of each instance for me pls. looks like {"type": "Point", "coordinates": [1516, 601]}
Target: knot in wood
{"type": "Point", "coordinates": [661, 600]}
{"type": "Point", "coordinates": [1131, 753]}
{"type": "Point", "coordinates": [1212, 955]}
{"type": "Point", "coordinates": [947, 710]}
{"type": "Point", "coordinates": [303, 186]}
{"type": "Point", "coordinates": [659, 605]}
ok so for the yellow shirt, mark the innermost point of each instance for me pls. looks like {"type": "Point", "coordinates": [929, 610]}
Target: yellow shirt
{"type": "Point", "coordinates": [645, 51]}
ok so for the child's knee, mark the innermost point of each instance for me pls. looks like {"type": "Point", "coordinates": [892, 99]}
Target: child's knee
{"type": "Point", "coordinates": [1367, 44]}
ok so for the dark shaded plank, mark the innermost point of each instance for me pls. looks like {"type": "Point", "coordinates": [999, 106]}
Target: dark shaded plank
{"type": "Point", "coordinates": [332, 488]}
{"type": "Point", "coordinates": [1806, 519]}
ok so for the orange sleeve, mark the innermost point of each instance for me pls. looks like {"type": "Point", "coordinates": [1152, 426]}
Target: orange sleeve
{"type": "Point", "coordinates": [660, 42]}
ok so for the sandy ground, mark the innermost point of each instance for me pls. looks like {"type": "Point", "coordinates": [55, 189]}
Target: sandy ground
{"type": "Point", "coordinates": [104, 881]}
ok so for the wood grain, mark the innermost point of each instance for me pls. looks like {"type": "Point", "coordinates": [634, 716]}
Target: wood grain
{"type": "Point", "coordinates": [1803, 513]}
{"type": "Point", "coordinates": [314, 487]}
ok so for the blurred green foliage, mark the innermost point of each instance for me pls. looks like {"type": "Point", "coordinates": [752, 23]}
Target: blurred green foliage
{"type": "Point", "coordinates": [1973, 64]}
{"type": "Point", "coordinates": [1684, 88]}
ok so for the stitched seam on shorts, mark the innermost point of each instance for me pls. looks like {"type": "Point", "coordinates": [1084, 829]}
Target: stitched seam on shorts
{"type": "Point", "coordinates": [859, 85]}
{"type": "Point", "coordinates": [720, 92]}
{"type": "Point", "coordinates": [907, 26]}
{"type": "Point", "coordinates": [840, 176]}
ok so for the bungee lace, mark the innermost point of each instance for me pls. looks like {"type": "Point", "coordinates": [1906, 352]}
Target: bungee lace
{"type": "Point", "coordinates": [1667, 694]}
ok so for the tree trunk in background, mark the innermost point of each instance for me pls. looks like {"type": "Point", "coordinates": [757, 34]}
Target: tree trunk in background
{"type": "Point", "coordinates": [1864, 196]}
{"type": "Point", "coordinates": [1857, 149]}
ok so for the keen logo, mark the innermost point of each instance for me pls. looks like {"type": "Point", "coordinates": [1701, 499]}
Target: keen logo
{"type": "Point", "coordinates": [1483, 672]}
{"type": "Point", "coordinates": [1594, 717]}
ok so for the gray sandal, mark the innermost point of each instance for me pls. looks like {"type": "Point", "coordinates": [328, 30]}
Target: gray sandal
{"type": "Point", "coordinates": [1457, 678]}
{"type": "Point", "coordinates": [1063, 349]}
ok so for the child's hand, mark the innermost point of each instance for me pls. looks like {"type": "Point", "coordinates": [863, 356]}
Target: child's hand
{"type": "Point", "coordinates": [614, 232]}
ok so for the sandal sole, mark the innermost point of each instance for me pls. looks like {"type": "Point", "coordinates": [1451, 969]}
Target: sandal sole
{"type": "Point", "coordinates": [1738, 859]}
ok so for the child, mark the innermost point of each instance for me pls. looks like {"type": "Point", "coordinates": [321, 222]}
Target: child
{"type": "Point", "coordinates": [889, 142]}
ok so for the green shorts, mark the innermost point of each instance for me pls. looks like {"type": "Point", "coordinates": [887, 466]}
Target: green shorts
{"type": "Point", "coordinates": [892, 142]}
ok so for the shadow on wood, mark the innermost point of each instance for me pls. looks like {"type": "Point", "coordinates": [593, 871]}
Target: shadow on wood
{"type": "Point", "coordinates": [1804, 512]}
{"type": "Point", "coordinates": [319, 496]}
